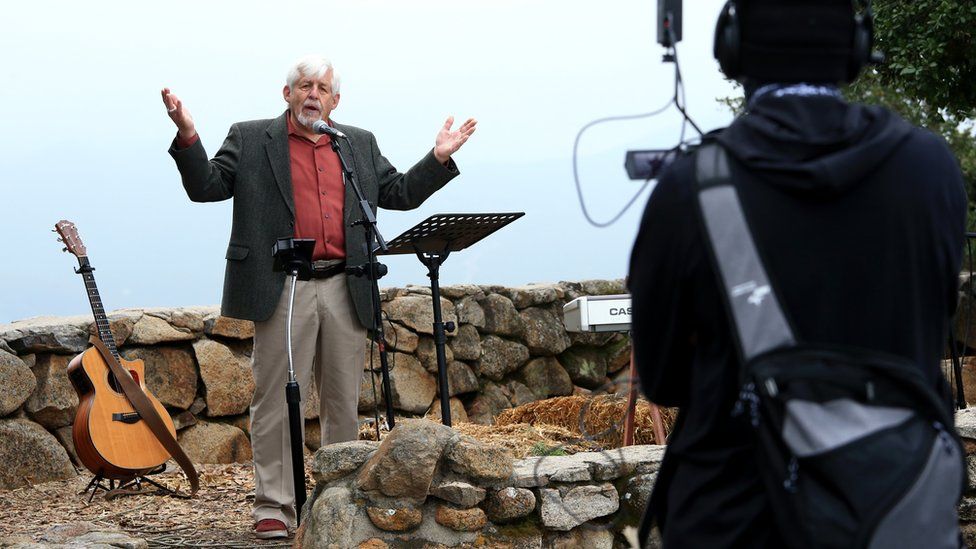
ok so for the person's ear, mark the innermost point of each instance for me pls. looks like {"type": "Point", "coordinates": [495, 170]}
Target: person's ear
{"type": "Point", "coordinates": [286, 92]}
{"type": "Point", "coordinates": [335, 101]}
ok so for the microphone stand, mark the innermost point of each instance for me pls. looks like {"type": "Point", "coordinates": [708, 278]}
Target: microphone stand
{"type": "Point", "coordinates": [372, 270]}
{"type": "Point", "coordinates": [293, 256]}
{"type": "Point", "coordinates": [295, 418]}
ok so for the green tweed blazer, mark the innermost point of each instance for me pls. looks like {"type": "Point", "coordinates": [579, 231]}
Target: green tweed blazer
{"type": "Point", "coordinates": [253, 168]}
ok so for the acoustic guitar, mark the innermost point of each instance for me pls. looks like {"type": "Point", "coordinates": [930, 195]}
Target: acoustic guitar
{"type": "Point", "coordinates": [111, 438]}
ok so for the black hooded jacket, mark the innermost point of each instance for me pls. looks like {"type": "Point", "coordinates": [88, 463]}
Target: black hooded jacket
{"type": "Point", "coordinates": [860, 219]}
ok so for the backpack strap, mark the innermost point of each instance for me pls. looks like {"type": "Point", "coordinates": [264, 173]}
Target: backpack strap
{"type": "Point", "coordinates": [759, 322]}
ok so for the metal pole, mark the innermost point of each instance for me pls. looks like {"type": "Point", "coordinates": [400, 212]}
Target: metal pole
{"type": "Point", "coordinates": [368, 222]}
{"type": "Point", "coordinates": [439, 340]}
{"type": "Point", "coordinates": [657, 424]}
{"type": "Point", "coordinates": [631, 404]}
{"type": "Point", "coordinates": [296, 419]}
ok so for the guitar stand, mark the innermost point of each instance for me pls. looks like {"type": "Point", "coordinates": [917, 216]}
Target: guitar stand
{"type": "Point", "coordinates": [117, 488]}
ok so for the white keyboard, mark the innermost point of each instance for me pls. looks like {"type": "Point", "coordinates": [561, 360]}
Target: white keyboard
{"type": "Point", "coordinates": [598, 313]}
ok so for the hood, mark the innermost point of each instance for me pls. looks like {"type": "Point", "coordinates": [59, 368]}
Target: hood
{"type": "Point", "coordinates": [819, 145]}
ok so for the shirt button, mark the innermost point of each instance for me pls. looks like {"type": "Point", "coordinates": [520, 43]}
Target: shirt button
{"type": "Point", "coordinates": [321, 169]}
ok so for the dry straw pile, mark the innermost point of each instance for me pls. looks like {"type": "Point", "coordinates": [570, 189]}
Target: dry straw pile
{"type": "Point", "coordinates": [562, 424]}
{"type": "Point", "coordinates": [599, 419]}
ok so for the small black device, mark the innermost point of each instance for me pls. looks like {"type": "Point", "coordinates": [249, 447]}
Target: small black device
{"type": "Point", "coordinates": [645, 165]}
{"type": "Point", "coordinates": [294, 255]}
{"type": "Point", "coordinates": [378, 271]}
{"type": "Point", "coordinates": [668, 22]}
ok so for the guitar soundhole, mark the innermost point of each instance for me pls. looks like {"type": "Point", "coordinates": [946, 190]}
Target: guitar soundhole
{"type": "Point", "coordinates": [113, 382]}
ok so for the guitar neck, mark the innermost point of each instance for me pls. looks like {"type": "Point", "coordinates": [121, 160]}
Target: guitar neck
{"type": "Point", "coordinates": [101, 320]}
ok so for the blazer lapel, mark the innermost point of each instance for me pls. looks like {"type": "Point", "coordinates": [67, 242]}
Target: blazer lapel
{"type": "Point", "coordinates": [277, 147]}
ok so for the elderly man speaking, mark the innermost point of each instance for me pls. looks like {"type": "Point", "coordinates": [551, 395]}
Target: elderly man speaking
{"type": "Point", "coordinates": [286, 179]}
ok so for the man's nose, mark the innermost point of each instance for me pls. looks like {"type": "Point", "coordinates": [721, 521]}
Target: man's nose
{"type": "Point", "coordinates": [314, 94]}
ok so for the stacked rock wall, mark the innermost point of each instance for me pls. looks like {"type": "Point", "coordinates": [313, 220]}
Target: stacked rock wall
{"type": "Point", "coordinates": [509, 347]}
{"type": "Point", "coordinates": [428, 485]}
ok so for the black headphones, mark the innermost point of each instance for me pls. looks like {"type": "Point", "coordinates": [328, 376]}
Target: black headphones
{"type": "Point", "coordinates": [728, 41]}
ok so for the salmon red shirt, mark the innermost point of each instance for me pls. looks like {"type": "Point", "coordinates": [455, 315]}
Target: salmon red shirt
{"type": "Point", "coordinates": [318, 191]}
{"type": "Point", "coordinates": [317, 186]}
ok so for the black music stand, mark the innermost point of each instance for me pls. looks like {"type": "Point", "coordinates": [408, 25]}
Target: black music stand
{"type": "Point", "coordinates": [433, 239]}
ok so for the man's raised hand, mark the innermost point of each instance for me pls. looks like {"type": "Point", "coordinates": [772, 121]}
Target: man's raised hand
{"type": "Point", "coordinates": [179, 114]}
{"type": "Point", "coordinates": [449, 141]}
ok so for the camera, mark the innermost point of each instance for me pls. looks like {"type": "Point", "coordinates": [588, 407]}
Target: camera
{"type": "Point", "coordinates": [644, 165]}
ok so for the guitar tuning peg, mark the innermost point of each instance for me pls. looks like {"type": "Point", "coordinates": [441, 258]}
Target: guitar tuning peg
{"type": "Point", "coordinates": [64, 249]}
{"type": "Point", "coordinates": [60, 240]}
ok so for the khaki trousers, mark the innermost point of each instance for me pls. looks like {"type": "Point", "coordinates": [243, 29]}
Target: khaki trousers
{"type": "Point", "coordinates": [328, 339]}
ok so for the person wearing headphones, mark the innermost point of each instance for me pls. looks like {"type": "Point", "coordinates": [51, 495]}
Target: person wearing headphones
{"type": "Point", "coordinates": [859, 218]}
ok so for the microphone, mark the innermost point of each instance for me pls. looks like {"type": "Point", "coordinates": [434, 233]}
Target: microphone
{"type": "Point", "coordinates": [321, 126]}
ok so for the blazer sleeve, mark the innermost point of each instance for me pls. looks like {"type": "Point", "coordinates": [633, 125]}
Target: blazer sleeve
{"type": "Point", "coordinates": [209, 180]}
{"type": "Point", "coordinates": [405, 191]}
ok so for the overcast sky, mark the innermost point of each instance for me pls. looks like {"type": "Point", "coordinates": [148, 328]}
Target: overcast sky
{"type": "Point", "coordinates": [86, 134]}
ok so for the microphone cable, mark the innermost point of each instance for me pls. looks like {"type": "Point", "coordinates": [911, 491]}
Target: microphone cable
{"type": "Point", "coordinates": [678, 100]}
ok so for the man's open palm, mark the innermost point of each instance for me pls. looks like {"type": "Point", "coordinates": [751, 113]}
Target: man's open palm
{"type": "Point", "coordinates": [449, 141]}
{"type": "Point", "coordinates": [178, 114]}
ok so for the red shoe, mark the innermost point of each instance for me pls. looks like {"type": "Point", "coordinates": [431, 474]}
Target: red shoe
{"type": "Point", "coordinates": [270, 529]}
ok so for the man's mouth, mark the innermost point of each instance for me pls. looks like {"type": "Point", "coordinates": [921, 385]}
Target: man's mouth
{"type": "Point", "coordinates": [311, 108]}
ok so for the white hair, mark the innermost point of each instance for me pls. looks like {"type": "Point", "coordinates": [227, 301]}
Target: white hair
{"type": "Point", "coordinates": [315, 66]}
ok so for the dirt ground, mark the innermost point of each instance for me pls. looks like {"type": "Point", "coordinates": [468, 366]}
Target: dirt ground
{"type": "Point", "coordinates": [219, 516]}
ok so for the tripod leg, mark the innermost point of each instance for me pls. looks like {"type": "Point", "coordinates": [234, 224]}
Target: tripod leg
{"type": "Point", "coordinates": [957, 372]}
{"type": "Point", "coordinates": [94, 485]}
{"type": "Point", "coordinates": [631, 405]}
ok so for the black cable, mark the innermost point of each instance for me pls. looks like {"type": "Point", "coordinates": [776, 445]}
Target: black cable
{"type": "Point", "coordinates": [679, 83]}
{"type": "Point", "coordinates": [373, 370]}
{"type": "Point", "coordinates": [677, 100]}
{"type": "Point", "coordinates": [579, 188]}
{"type": "Point", "coordinates": [969, 316]}
{"type": "Point", "coordinates": [372, 379]}
{"type": "Point", "coordinates": [396, 338]}
{"type": "Point", "coordinates": [955, 381]}
{"type": "Point", "coordinates": [957, 363]}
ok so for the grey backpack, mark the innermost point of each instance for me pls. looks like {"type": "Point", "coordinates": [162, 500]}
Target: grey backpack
{"type": "Point", "coordinates": [855, 448]}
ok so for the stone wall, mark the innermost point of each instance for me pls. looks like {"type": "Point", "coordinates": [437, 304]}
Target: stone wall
{"type": "Point", "coordinates": [509, 348]}
{"type": "Point", "coordinates": [966, 425]}
{"type": "Point", "coordinates": [426, 484]}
